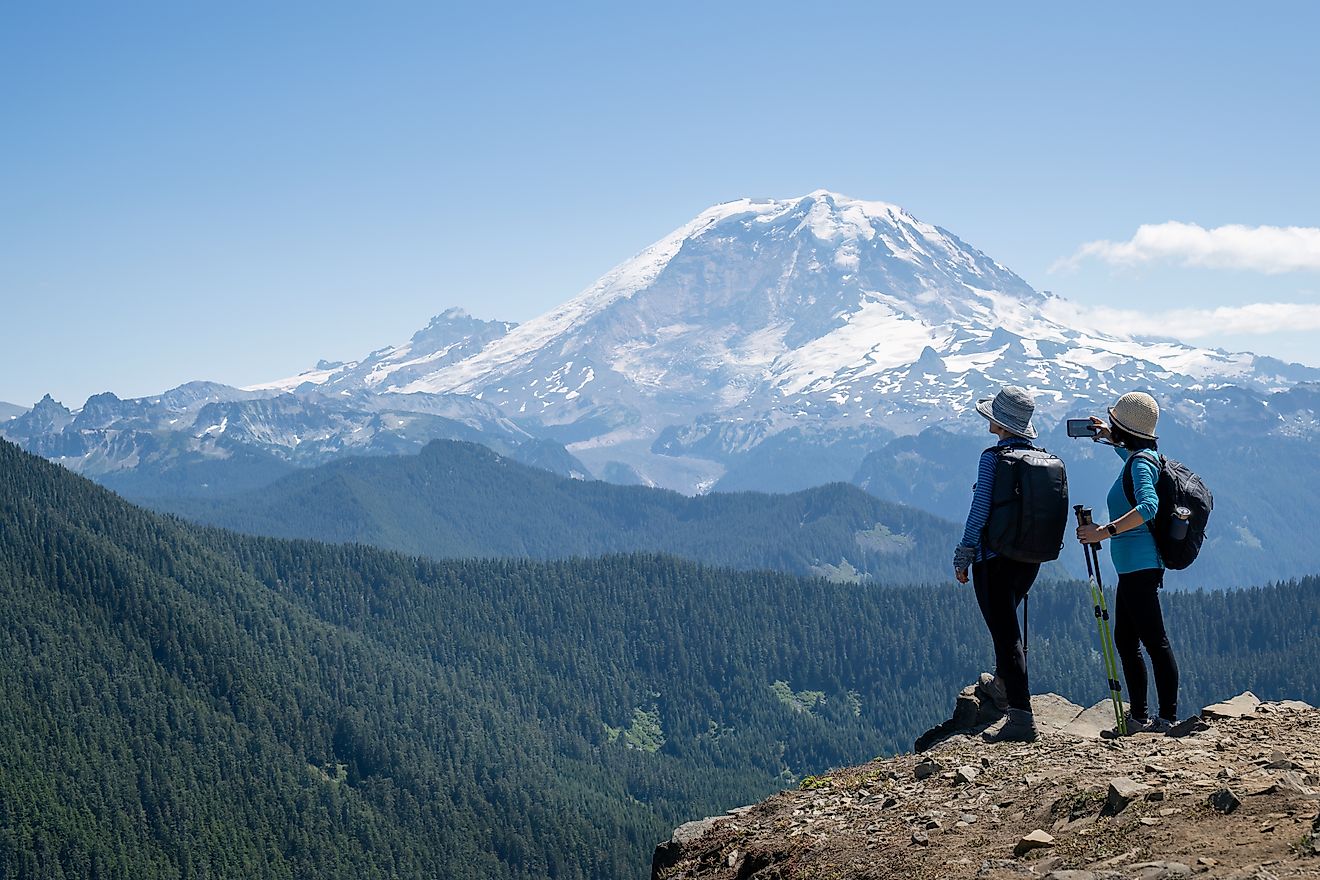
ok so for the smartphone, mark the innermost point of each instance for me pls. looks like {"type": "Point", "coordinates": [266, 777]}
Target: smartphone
{"type": "Point", "coordinates": [1081, 428]}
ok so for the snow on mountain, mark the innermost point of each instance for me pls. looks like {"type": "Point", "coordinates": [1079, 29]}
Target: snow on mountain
{"type": "Point", "coordinates": [761, 328]}
{"type": "Point", "coordinates": [450, 336]}
{"type": "Point", "coordinates": [816, 313]}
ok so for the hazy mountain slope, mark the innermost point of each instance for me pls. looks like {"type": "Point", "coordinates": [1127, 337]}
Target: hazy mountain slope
{"type": "Point", "coordinates": [462, 500]}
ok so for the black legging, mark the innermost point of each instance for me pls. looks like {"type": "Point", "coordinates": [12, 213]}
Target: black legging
{"type": "Point", "coordinates": [1139, 621]}
{"type": "Point", "coordinates": [1001, 584]}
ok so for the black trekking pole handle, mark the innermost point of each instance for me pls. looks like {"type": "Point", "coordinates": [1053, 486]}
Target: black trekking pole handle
{"type": "Point", "coordinates": [1084, 519]}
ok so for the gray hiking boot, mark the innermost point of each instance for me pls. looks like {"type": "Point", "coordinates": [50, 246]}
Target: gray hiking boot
{"type": "Point", "coordinates": [1133, 724]}
{"type": "Point", "coordinates": [992, 688]}
{"type": "Point", "coordinates": [1160, 725]}
{"type": "Point", "coordinates": [1020, 726]}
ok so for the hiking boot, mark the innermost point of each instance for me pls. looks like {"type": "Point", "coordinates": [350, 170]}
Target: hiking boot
{"type": "Point", "coordinates": [1160, 726]}
{"type": "Point", "coordinates": [1188, 726]}
{"type": "Point", "coordinates": [992, 688]}
{"type": "Point", "coordinates": [1019, 727]}
{"type": "Point", "coordinates": [1134, 724]}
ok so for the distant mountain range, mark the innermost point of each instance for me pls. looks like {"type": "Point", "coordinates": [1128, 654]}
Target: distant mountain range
{"type": "Point", "coordinates": [767, 344]}
{"type": "Point", "coordinates": [10, 410]}
{"type": "Point", "coordinates": [203, 439]}
{"type": "Point", "coordinates": [462, 500]}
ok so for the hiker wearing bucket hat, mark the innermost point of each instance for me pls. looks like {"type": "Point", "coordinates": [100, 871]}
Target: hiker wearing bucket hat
{"type": "Point", "coordinates": [1001, 583]}
{"type": "Point", "coordinates": [1138, 618]}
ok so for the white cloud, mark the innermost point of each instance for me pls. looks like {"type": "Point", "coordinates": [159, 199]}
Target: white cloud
{"type": "Point", "coordinates": [1250, 319]}
{"type": "Point", "coordinates": [1269, 249]}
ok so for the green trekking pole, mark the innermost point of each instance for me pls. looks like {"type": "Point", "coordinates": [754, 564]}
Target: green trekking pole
{"type": "Point", "coordinates": [1092, 552]}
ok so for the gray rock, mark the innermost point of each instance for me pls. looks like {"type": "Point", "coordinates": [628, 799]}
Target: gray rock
{"type": "Point", "coordinates": [966, 774]}
{"type": "Point", "coordinates": [1053, 713]}
{"type": "Point", "coordinates": [1001, 868]}
{"type": "Point", "coordinates": [1123, 791]}
{"type": "Point", "coordinates": [1241, 706]}
{"type": "Point", "coordinates": [1280, 761]}
{"type": "Point", "coordinates": [1295, 705]}
{"type": "Point", "coordinates": [1159, 871]}
{"type": "Point", "coordinates": [920, 838]}
{"type": "Point", "coordinates": [690, 831]}
{"type": "Point", "coordinates": [1070, 875]}
{"type": "Point", "coordinates": [1091, 722]}
{"type": "Point", "coordinates": [1224, 801]}
{"type": "Point", "coordinates": [927, 769]}
{"type": "Point", "coordinates": [1037, 839]}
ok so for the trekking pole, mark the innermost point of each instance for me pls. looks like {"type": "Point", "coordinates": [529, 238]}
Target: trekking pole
{"type": "Point", "coordinates": [1025, 599]}
{"type": "Point", "coordinates": [1107, 651]}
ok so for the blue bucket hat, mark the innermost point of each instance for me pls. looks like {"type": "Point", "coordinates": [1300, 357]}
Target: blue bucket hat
{"type": "Point", "coordinates": [1011, 408]}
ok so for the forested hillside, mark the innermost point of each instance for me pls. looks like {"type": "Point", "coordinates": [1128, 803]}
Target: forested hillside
{"type": "Point", "coordinates": [183, 701]}
{"type": "Point", "coordinates": [459, 499]}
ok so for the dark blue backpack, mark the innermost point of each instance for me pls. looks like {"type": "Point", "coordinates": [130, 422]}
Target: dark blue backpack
{"type": "Point", "coordinates": [1028, 505]}
{"type": "Point", "coordinates": [1177, 486]}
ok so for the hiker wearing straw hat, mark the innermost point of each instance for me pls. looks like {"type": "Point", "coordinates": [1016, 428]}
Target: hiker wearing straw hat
{"type": "Point", "coordinates": [1002, 580]}
{"type": "Point", "coordinates": [1138, 618]}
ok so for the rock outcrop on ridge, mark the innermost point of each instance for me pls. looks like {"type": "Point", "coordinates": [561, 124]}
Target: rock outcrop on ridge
{"type": "Point", "coordinates": [1236, 795]}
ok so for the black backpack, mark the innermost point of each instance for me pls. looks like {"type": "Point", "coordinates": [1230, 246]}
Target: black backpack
{"type": "Point", "coordinates": [1177, 486]}
{"type": "Point", "coordinates": [1029, 505]}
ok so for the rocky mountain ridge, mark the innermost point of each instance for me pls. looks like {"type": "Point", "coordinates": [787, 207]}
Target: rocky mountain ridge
{"type": "Point", "coordinates": [1236, 795]}
{"type": "Point", "coordinates": [204, 437]}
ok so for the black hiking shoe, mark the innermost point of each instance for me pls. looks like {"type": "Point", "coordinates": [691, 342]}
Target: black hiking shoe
{"type": "Point", "coordinates": [1020, 726]}
{"type": "Point", "coordinates": [1188, 726]}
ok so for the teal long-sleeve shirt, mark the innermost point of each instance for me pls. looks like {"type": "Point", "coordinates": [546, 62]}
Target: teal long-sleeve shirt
{"type": "Point", "coordinates": [1134, 550]}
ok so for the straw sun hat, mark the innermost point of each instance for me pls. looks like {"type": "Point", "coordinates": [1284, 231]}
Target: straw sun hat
{"type": "Point", "coordinates": [1136, 412]}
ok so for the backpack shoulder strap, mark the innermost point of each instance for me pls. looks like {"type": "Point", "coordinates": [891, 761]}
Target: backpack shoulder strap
{"type": "Point", "coordinates": [1129, 485]}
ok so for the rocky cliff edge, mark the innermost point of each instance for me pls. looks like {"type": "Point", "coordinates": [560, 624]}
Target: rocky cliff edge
{"type": "Point", "coordinates": [1236, 795]}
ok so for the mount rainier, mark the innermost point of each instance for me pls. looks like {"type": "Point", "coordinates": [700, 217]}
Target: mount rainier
{"type": "Point", "coordinates": [824, 318]}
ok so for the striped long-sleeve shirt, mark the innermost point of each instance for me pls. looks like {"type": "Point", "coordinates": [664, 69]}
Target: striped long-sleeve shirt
{"type": "Point", "coordinates": [985, 485]}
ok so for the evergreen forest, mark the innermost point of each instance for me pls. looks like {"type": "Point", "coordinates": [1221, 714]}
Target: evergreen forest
{"type": "Point", "coordinates": [183, 701]}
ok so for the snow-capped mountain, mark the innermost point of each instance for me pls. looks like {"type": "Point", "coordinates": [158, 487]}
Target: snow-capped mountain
{"type": "Point", "coordinates": [820, 314]}
{"type": "Point", "coordinates": [765, 344]}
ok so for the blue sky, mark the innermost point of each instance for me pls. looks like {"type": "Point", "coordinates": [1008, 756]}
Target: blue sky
{"type": "Point", "coordinates": [233, 191]}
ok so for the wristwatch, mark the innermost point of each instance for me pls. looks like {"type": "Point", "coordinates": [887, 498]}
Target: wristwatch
{"type": "Point", "coordinates": [1111, 529]}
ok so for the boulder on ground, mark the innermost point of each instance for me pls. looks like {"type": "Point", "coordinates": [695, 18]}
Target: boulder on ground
{"type": "Point", "coordinates": [1241, 706]}
{"type": "Point", "coordinates": [1037, 839]}
{"type": "Point", "coordinates": [1225, 801]}
{"type": "Point", "coordinates": [1123, 791]}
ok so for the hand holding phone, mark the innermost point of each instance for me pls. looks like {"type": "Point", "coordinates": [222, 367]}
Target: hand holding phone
{"type": "Point", "coordinates": [1092, 427]}
{"type": "Point", "coordinates": [1081, 428]}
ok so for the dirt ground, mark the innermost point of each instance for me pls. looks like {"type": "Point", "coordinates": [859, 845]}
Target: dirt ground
{"type": "Point", "coordinates": [1167, 814]}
